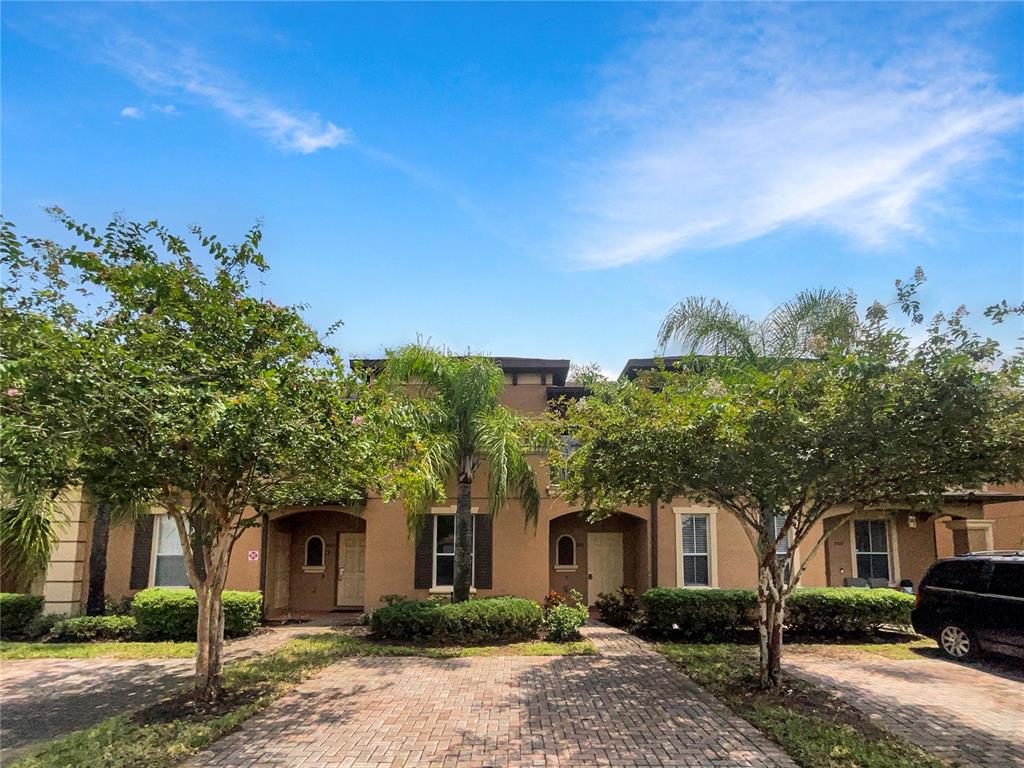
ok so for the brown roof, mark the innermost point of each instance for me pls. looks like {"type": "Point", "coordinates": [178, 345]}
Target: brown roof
{"type": "Point", "coordinates": [558, 368]}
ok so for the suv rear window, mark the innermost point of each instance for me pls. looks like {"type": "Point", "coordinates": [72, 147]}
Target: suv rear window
{"type": "Point", "coordinates": [1007, 579]}
{"type": "Point", "coordinates": [956, 574]}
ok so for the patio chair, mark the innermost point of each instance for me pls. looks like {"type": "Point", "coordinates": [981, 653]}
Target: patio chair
{"type": "Point", "coordinates": [878, 583]}
{"type": "Point", "coordinates": [859, 583]}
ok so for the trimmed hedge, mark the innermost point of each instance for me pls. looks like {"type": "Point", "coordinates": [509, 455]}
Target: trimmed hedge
{"type": "Point", "coordinates": [17, 611]}
{"type": "Point", "coordinates": [488, 620]}
{"type": "Point", "coordinates": [710, 614]}
{"type": "Point", "coordinates": [83, 629]}
{"type": "Point", "coordinates": [163, 613]}
{"type": "Point", "coordinates": [843, 610]}
{"type": "Point", "coordinates": [699, 614]}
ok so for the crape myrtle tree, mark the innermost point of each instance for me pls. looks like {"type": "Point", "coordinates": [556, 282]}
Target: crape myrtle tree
{"type": "Point", "coordinates": [208, 401]}
{"type": "Point", "coordinates": [872, 420]}
{"type": "Point", "coordinates": [459, 427]}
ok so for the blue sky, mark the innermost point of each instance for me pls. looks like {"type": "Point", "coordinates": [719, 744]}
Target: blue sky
{"type": "Point", "coordinates": [536, 179]}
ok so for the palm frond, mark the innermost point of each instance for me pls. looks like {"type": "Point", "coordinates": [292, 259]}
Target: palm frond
{"type": "Point", "coordinates": [708, 326]}
{"type": "Point", "coordinates": [811, 322]}
{"type": "Point", "coordinates": [502, 439]}
{"type": "Point", "coordinates": [30, 522]}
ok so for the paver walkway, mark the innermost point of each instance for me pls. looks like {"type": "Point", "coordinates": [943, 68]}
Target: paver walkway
{"type": "Point", "coordinates": [970, 714]}
{"type": "Point", "coordinates": [42, 699]}
{"type": "Point", "coordinates": [626, 707]}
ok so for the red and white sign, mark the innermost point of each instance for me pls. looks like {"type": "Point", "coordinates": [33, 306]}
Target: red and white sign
{"type": "Point", "coordinates": [254, 555]}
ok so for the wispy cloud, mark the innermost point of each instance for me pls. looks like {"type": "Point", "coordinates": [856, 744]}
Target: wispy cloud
{"type": "Point", "coordinates": [133, 113]}
{"type": "Point", "coordinates": [724, 124]}
{"type": "Point", "coordinates": [182, 71]}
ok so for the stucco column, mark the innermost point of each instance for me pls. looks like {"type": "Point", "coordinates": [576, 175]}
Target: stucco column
{"type": "Point", "coordinates": [971, 535]}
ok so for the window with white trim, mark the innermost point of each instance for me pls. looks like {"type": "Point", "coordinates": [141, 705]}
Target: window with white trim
{"type": "Point", "coordinates": [782, 547]}
{"type": "Point", "coordinates": [696, 555]}
{"type": "Point", "coordinates": [871, 544]}
{"type": "Point", "coordinates": [168, 557]}
{"type": "Point", "coordinates": [314, 557]}
{"type": "Point", "coordinates": [444, 550]}
{"type": "Point", "coordinates": [565, 551]}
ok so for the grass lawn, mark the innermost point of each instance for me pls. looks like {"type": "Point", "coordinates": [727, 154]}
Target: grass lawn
{"type": "Point", "coordinates": [899, 651]}
{"type": "Point", "coordinates": [20, 651]}
{"type": "Point", "coordinates": [813, 727]}
{"type": "Point", "coordinates": [166, 734]}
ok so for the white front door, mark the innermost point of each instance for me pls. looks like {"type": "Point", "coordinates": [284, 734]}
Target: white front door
{"type": "Point", "coordinates": [604, 564]}
{"type": "Point", "coordinates": [280, 575]}
{"type": "Point", "coordinates": [351, 569]}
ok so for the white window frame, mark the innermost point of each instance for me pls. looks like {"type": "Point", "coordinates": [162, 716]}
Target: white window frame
{"type": "Point", "coordinates": [568, 567]}
{"type": "Point", "coordinates": [306, 567]}
{"type": "Point", "coordinates": [891, 541]}
{"type": "Point", "coordinates": [712, 514]}
{"type": "Point", "coordinates": [155, 552]}
{"type": "Point", "coordinates": [447, 590]}
{"type": "Point", "coordinates": [794, 551]}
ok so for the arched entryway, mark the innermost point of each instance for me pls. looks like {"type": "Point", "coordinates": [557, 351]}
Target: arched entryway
{"type": "Point", "coordinates": [595, 558]}
{"type": "Point", "coordinates": [316, 562]}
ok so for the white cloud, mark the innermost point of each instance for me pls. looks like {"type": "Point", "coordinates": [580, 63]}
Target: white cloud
{"type": "Point", "coordinates": [722, 126]}
{"type": "Point", "coordinates": [183, 72]}
{"type": "Point", "coordinates": [166, 109]}
{"type": "Point", "coordinates": [132, 112]}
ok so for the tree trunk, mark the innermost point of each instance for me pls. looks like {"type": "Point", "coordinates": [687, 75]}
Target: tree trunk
{"type": "Point", "coordinates": [771, 603]}
{"type": "Point", "coordinates": [210, 641]}
{"type": "Point", "coordinates": [463, 542]}
{"type": "Point", "coordinates": [96, 601]}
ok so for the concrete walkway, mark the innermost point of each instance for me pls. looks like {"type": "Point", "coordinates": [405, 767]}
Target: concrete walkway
{"type": "Point", "coordinates": [973, 715]}
{"type": "Point", "coordinates": [41, 699]}
{"type": "Point", "coordinates": [626, 707]}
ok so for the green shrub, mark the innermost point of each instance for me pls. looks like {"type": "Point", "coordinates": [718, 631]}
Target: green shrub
{"type": "Point", "coordinates": [713, 614]}
{"type": "Point", "coordinates": [42, 625]}
{"type": "Point", "coordinates": [699, 614]}
{"type": "Point", "coordinates": [170, 614]}
{"type": "Point", "coordinates": [83, 629]}
{"type": "Point", "coordinates": [844, 611]}
{"type": "Point", "coordinates": [404, 620]}
{"type": "Point", "coordinates": [489, 620]}
{"type": "Point", "coordinates": [620, 609]}
{"type": "Point", "coordinates": [563, 622]}
{"type": "Point", "coordinates": [17, 612]}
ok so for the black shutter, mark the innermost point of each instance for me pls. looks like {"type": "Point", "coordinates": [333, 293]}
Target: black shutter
{"type": "Point", "coordinates": [142, 553]}
{"type": "Point", "coordinates": [424, 569]}
{"type": "Point", "coordinates": [483, 561]}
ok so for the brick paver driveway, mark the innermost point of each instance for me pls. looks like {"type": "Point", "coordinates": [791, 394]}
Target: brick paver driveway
{"type": "Point", "coordinates": [973, 715]}
{"type": "Point", "coordinates": [42, 699]}
{"type": "Point", "coordinates": [626, 707]}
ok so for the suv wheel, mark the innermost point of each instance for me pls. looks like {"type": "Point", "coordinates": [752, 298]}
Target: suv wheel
{"type": "Point", "coordinates": [957, 643]}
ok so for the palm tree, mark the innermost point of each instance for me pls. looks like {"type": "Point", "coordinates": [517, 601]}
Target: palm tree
{"type": "Point", "coordinates": [462, 426]}
{"type": "Point", "coordinates": [805, 326]}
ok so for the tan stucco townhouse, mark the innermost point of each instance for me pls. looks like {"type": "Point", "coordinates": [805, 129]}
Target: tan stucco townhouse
{"type": "Point", "coordinates": [309, 560]}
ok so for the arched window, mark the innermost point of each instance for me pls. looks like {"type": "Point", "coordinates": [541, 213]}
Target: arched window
{"type": "Point", "coordinates": [314, 552]}
{"type": "Point", "coordinates": [565, 552]}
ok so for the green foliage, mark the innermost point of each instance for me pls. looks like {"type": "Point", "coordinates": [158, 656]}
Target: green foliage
{"type": "Point", "coordinates": [82, 629]}
{"type": "Point", "coordinates": [840, 611]}
{"type": "Point", "coordinates": [489, 620]}
{"type": "Point", "coordinates": [457, 424]}
{"type": "Point", "coordinates": [717, 614]}
{"type": "Point", "coordinates": [563, 622]}
{"type": "Point", "coordinates": [699, 614]}
{"type": "Point", "coordinates": [17, 612]}
{"type": "Point", "coordinates": [813, 727]}
{"type": "Point", "coordinates": [120, 649]}
{"type": "Point", "coordinates": [170, 614]}
{"type": "Point", "coordinates": [42, 625]}
{"type": "Point", "coordinates": [620, 609]}
{"type": "Point", "coordinates": [405, 620]}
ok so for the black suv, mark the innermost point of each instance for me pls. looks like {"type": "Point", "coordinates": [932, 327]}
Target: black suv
{"type": "Point", "coordinates": [974, 603]}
